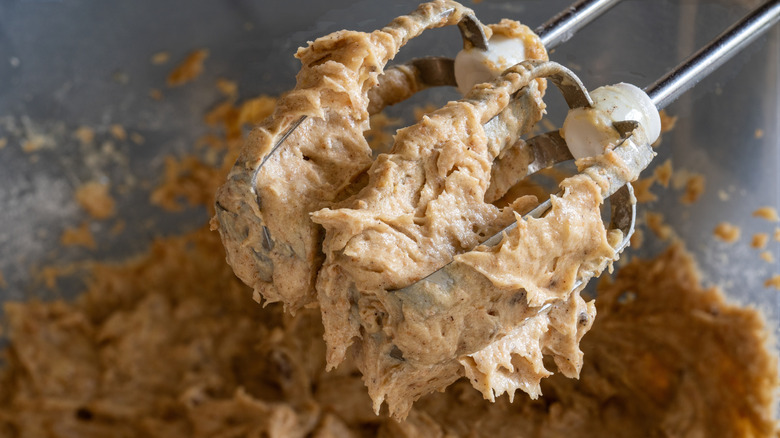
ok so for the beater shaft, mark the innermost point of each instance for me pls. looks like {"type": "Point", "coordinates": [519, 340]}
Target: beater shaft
{"type": "Point", "coordinates": [688, 73]}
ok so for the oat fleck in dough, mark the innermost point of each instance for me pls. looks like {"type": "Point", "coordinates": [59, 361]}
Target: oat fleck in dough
{"type": "Point", "coordinates": [189, 69]}
{"type": "Point", "coordinates": [78, 236]}
{"type": "Point", "coordinates": [727, 232]}
{"type": "Point", "coordinates": [767, 213]}
{"type": "Point", "coordinates": [96, 199]}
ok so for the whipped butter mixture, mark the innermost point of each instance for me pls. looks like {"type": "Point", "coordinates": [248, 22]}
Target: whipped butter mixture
{"type": "Point", "coordinates": [171, 345]}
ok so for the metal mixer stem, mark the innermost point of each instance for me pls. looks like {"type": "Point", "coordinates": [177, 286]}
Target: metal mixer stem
{"type": "Point", "coordinates": [688, 73]}
{"type": "Point", "coordinates": [563, 26]}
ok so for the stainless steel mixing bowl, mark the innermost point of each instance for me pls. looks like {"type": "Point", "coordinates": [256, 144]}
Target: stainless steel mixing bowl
{"type": "Point", "coordinates": [71, 63]}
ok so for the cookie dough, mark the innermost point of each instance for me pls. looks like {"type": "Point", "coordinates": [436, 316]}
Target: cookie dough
{"type": "Point", "coordinates": [424, 204]}
{"type": "Point", "coordinates": [400, 218]}
{"type": "Point", "coordinates": [172, 345]}
{"type": "Point", "coordinates": [311, 153]}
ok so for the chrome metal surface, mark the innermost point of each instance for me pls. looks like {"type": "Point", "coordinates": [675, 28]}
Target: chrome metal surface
{"type": "Point", "coordinates": [473, 33]}
{"type": "Point", "coordinates": [563, 26]}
